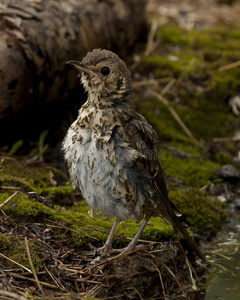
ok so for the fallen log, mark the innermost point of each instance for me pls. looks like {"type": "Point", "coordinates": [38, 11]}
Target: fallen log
{"type": "Point", "coordinates": [37, 37]}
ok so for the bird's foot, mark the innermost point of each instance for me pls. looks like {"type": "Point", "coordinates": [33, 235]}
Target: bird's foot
{"type": "Point", "coordinates": [104, 249]}
{"type": "Point", "coordinates": [107, 248]}
{"type": "Point", "coordinates": [131, 248]}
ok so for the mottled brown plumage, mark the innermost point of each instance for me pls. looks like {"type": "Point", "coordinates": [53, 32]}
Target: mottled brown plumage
{"type": "Point", "coordinates": [111, 150]}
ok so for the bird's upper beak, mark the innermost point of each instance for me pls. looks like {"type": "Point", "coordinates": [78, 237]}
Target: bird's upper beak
{"type": "Point", "coordinates": [81, 67]}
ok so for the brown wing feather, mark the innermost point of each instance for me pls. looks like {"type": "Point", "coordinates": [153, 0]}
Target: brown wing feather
{"type": "Point", "coordinates": [141, 136]}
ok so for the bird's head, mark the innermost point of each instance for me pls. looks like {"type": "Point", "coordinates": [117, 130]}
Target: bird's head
{"type": "Point", "coordinates": [104, 74]}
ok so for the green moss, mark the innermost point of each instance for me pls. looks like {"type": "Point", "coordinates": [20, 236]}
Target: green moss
{"type": "Point", "coordinates": [191, 171]}
{"type": "Point", "coordinates": [200, 55]}
{"type": "Point", "coordinates": [204, 212]}
{"type": "Point", "coordinates": [25, 208]}
{"type": "Point", "coordinates": [223, 158]}
{"type": "Point", "coordinates": [162, 66]}
{"type": "Point", "coordinates": [58, 193]}
{"type": "Point", "coordinates": [14, 248]}
{"type": "Point", "coordinates": [161, 119]}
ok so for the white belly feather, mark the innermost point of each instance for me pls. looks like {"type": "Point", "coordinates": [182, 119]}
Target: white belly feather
{"type": "Point", "coordinates": [100, 173]}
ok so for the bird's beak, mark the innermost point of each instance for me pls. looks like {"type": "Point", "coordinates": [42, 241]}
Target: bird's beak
{"type": "Point", "coordinates": [81, 67]}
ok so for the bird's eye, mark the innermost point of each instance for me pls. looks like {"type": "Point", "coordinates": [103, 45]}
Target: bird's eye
{"type": "Point", "coordinates": [105, 70]}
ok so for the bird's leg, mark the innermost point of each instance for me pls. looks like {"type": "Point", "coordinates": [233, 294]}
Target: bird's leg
{"type": "Point", "coordinates": [108, 245]}
{"type": "Point", "coordinates": [132, 244]}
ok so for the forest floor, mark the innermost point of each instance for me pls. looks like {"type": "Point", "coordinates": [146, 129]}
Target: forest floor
{"type": "Point", "coordinates": [186, 83]}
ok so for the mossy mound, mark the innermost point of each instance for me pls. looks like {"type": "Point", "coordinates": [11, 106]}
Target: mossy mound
{"type": "Point", "coordinates": [203, 212]}
{"type": "Point", "coordinates": [45, 207]}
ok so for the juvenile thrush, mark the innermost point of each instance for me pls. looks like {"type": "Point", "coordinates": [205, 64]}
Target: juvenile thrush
{"type": "Point", "coordinates": [111, 151]}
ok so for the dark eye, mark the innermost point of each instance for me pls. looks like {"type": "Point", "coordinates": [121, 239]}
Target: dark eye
{"type": "Point", "coordinates": [105, 70]}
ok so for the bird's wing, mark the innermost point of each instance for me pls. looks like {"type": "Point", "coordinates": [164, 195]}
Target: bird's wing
{"type": "Point", "coordinates": [142, 137]}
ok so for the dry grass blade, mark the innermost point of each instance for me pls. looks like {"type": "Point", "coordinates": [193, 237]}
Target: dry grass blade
{"type": "Point", "coordinates": [151, 45]}
{"type": "Point", "coordinates": [227, 139]}
{"type": "Point", "coordinates": [168, 86]}
{"type": "Point", "coordinates": [10, 295]}
{"type": "Point", "coordinates": [229, 66]}
{"type": "Point", "coordinates": [8, 200]}
{"type": "Point", "coordinates": [177, 118]}
{"type": "Point", "coordinates": [161, 280]}
{"type": "Point", "coordinates": [150, 82]}
{"type": "Point", "coordinates": [32, 266]}
{"type": "Point", "coordinates": [194, 287]}
{"type": "Point", "coordinates": [93, 291]}
{"type": "Point", "coordinates": [111, 259]}
{"type": "Point", "coordinates": [16, 263]}
{"type": "Point", "coordinates": [48, 285]}
{"type": "Point", "coordinates": [170, 271]}
{"type": "Point", "coordinates": [10, 188]}
{"type": "Point", "coordinates": [54, 279]}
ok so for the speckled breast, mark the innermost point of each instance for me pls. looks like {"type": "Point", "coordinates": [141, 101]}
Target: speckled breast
{"type": "Point", "coordinates": [101, 166]}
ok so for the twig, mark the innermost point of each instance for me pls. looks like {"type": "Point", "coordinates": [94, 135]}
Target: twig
{"type": "Point", "coordinates": [10, 187]}
{"type": "Point", "coordinates": [176, 117]}
{"type": "Point", "coordinates": [227, 139]}
{"type": "Point", "coordinates": [16, 263]}
{"type": "Point", "coordinates": [229, 66]}
{"type": "Point", "coordinates": [224, 256]}
{"type": "Point", "coordinates": [150, 42]}
{"type": "Point", "coordinates": [11, 295]}
{"type": "Point", "coordinates": [51, 286]}
{"type": "Point", "coordinates": [93, 291]}
{"type": "Point", "coordinates": [194, 287]}
{"type": "Point", "coordinates": [32, 266]}
{"type": "Point", "coordinates": [111, 259]}
{"type": "Point", "coordinates": [150, 82]}
{"type": "Point", "coordinates": [160, 276]}
{"type": "Point", "coordinates": [170, 271]}
{"type": "Point", "coordinates": [168, 86]}
{"type": "Point", "coordinates": [8, 199]}
{"type": "Point", "coordinates": [53, 278]}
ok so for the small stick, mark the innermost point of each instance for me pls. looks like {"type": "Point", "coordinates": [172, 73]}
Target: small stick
{"type": "Point", "coordinates": [169, 270]}
{"type": "Point", "coordinates": [53, 277]}
{"type": "Point", "coordinates": [194, 287]}
{"type": "Point", "coordinates": [229, 66]}
{"type": "Point", "coordinates": [168, 86]}
{"type": "Point", "coordinates": [51, 286]}
{"type": "Point", "coordinates": [16, 263]}
{"type": "Point", "coordinates": [160, 276]}
{"type": "Point", "coordinates": [8, 199]}
{"type": "Point", "coordinates": [32, 267]}
{"type": "Point", "coordinates": [176, 117]}
{"type": "Point", "coordinates": [227, 139]}
{"type": "Point", "coordinates": [111, 259]}
{"type": "Point", "coordinates": [11, 295]}
{"type": "Point", "coordinates": [150, 82]}
{"type": "Point", "coordinates": [150, 43]}
{"type": "Point", "coordinates": [10, 188]}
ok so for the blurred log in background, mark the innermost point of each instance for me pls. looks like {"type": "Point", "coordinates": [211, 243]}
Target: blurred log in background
{"type": "Point", "coordinates": [37, 38]}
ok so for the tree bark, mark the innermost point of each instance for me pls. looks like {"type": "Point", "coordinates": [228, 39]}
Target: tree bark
{"type": "Point", "coordinates": [37, 38]}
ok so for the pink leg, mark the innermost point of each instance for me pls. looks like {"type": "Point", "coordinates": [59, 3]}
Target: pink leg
{"type": "Point", "coordinates": [108, 245]}
{"type": "Point", "coordinates": [132, 244]}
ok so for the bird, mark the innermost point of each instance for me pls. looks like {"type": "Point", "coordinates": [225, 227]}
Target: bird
{"type": "Point", "coordinates": [112, 152]}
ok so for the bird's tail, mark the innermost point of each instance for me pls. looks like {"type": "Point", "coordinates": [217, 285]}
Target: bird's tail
{"type": "Point", "coordinates": [178, 226]}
